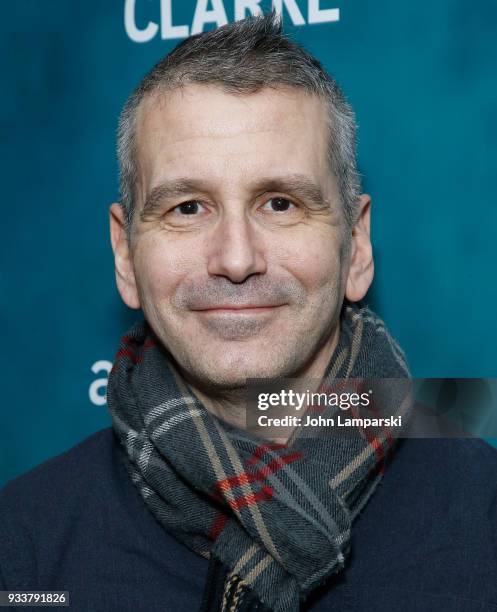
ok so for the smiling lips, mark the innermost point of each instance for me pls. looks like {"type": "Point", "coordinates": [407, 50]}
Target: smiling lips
{"type": "Point", "coordinates": [240, 308]}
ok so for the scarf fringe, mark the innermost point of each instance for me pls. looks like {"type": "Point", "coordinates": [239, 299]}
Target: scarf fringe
{"type": "Point", "coordinates": [228, 593]}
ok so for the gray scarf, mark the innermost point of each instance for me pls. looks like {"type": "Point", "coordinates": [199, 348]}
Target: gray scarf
{"type": "Point", "coordinates": [274, 520]}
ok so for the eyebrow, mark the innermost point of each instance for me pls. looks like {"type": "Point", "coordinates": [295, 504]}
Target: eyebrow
{"type": "Point", "coordinates": [297, 184]}
{"type": "Point", "coordinates": [168, 190]}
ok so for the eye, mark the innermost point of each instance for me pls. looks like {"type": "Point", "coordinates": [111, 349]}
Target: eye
{"type": "Point", "coordinates": [188, 208]}
{"type": "Point", "coordinates": [189, 215]}
{"type": "Point", "coordinates": [278, 205]}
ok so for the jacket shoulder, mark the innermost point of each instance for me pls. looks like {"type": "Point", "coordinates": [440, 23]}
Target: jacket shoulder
{"type": "Point", "coordinates": [465, 458]}
{"type": "Point", "coordinates": [40, 509]}
{"type": "Point", "coordinates": [68, 473]}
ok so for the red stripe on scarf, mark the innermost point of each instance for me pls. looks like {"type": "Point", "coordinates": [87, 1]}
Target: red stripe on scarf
{"type": "Point", "coordinates": [266, 493]}
{"type": "Point", "coordinates": [149, 342]}
{"type": "Point", "coordinates": [129, 351]}
{"type": "Point", "coordinates": [252, 498]}
{"type": "Point", "coordinates": [245, 477]}
{"type": "Point", "coordinates": [217, 526]}
{"type": "Point", "coordinates": [261, 450]}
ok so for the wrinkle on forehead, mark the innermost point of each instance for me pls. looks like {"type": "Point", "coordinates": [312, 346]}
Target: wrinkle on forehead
{"type": "Point", "coordinates": [288, 119]}
{"type": "Point", "coordinates": [209, 121]}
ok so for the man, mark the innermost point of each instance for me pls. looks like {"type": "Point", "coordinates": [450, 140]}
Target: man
{"type": "Point", "coordinates": [243, 236]}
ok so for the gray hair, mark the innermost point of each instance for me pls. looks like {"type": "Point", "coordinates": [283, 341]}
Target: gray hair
{"type": "Point", "coordinates": [242, 58]}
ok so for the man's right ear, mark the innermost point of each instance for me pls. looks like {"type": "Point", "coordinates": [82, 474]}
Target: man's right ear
{"type": "Point", "coordinates": [125, 274]}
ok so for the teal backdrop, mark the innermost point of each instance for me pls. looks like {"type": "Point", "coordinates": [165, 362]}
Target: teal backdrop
{"type": "Point", "coordinates": [422, 77]}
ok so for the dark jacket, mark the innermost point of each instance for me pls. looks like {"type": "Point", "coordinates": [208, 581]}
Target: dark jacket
{"type": "Point", "coordinates": [427, 539]}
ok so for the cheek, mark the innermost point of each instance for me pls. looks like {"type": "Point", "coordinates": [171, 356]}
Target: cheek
{"type": "Point", "coordinates": [315, 262]}
{"type": "Point", "coordinates": [159, 268]}
{"type": "Point", "coordinates": [322, 268]}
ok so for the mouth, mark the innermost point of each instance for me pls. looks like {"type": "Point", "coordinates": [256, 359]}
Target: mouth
{"type": "Point", "coordinates": [240, 309]}
{"type": "Point", "coordinates": [237, 322]}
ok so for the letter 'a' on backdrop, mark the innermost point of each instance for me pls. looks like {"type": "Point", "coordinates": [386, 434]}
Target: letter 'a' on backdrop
{"type": "Point", "coordinates": [421, 79]}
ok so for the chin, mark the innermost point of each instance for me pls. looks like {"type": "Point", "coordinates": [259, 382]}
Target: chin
{"type": "Point", "coordinates": [233, 376]}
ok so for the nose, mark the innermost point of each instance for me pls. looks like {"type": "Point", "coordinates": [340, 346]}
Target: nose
{"type": "Point", "coordinates": [235, 251]}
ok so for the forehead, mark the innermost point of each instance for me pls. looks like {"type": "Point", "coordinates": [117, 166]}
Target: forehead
{"type": "Point", "coordinates": [211, 131]}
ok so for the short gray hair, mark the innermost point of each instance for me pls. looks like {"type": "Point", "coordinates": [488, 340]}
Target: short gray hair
{"type": "Point", "coordinates": [242, 58]}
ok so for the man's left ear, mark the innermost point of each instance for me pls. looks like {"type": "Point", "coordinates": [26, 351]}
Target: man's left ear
{"type": "Point", "coordinates": [361, 270]}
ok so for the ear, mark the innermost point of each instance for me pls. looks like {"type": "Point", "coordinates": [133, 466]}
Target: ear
{"type": "Point", "coordinates": [361, 270]}
{"type": "Point", "coordinates": [125, 274]}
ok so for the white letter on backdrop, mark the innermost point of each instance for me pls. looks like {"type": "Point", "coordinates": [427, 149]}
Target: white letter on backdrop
{"type": "Point", "coordinates": [319, 15]}
{"type": "Point", "coordinates": [101, 383]}
{"type": "Point", "coordinates": [242, 5]}
{"type": "Point", "coordinates": [132, 31]}
{"type": "Point", "coordinates": [292, 8]}
{"type": "Point", "coordinates": [168, 30]}
{"type": "Point", "coordinates": [202, 16]}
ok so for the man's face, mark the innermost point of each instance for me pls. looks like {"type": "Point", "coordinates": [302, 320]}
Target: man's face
{"type": "Point", "coordinates": [238, 245]}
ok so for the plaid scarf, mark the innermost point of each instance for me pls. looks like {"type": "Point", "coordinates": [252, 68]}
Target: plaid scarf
{"type": "Point", "coordinates": [274, 519]}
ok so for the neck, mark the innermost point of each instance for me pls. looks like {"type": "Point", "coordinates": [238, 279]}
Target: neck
{"type": "Point", "coordinates": [230, 405]}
